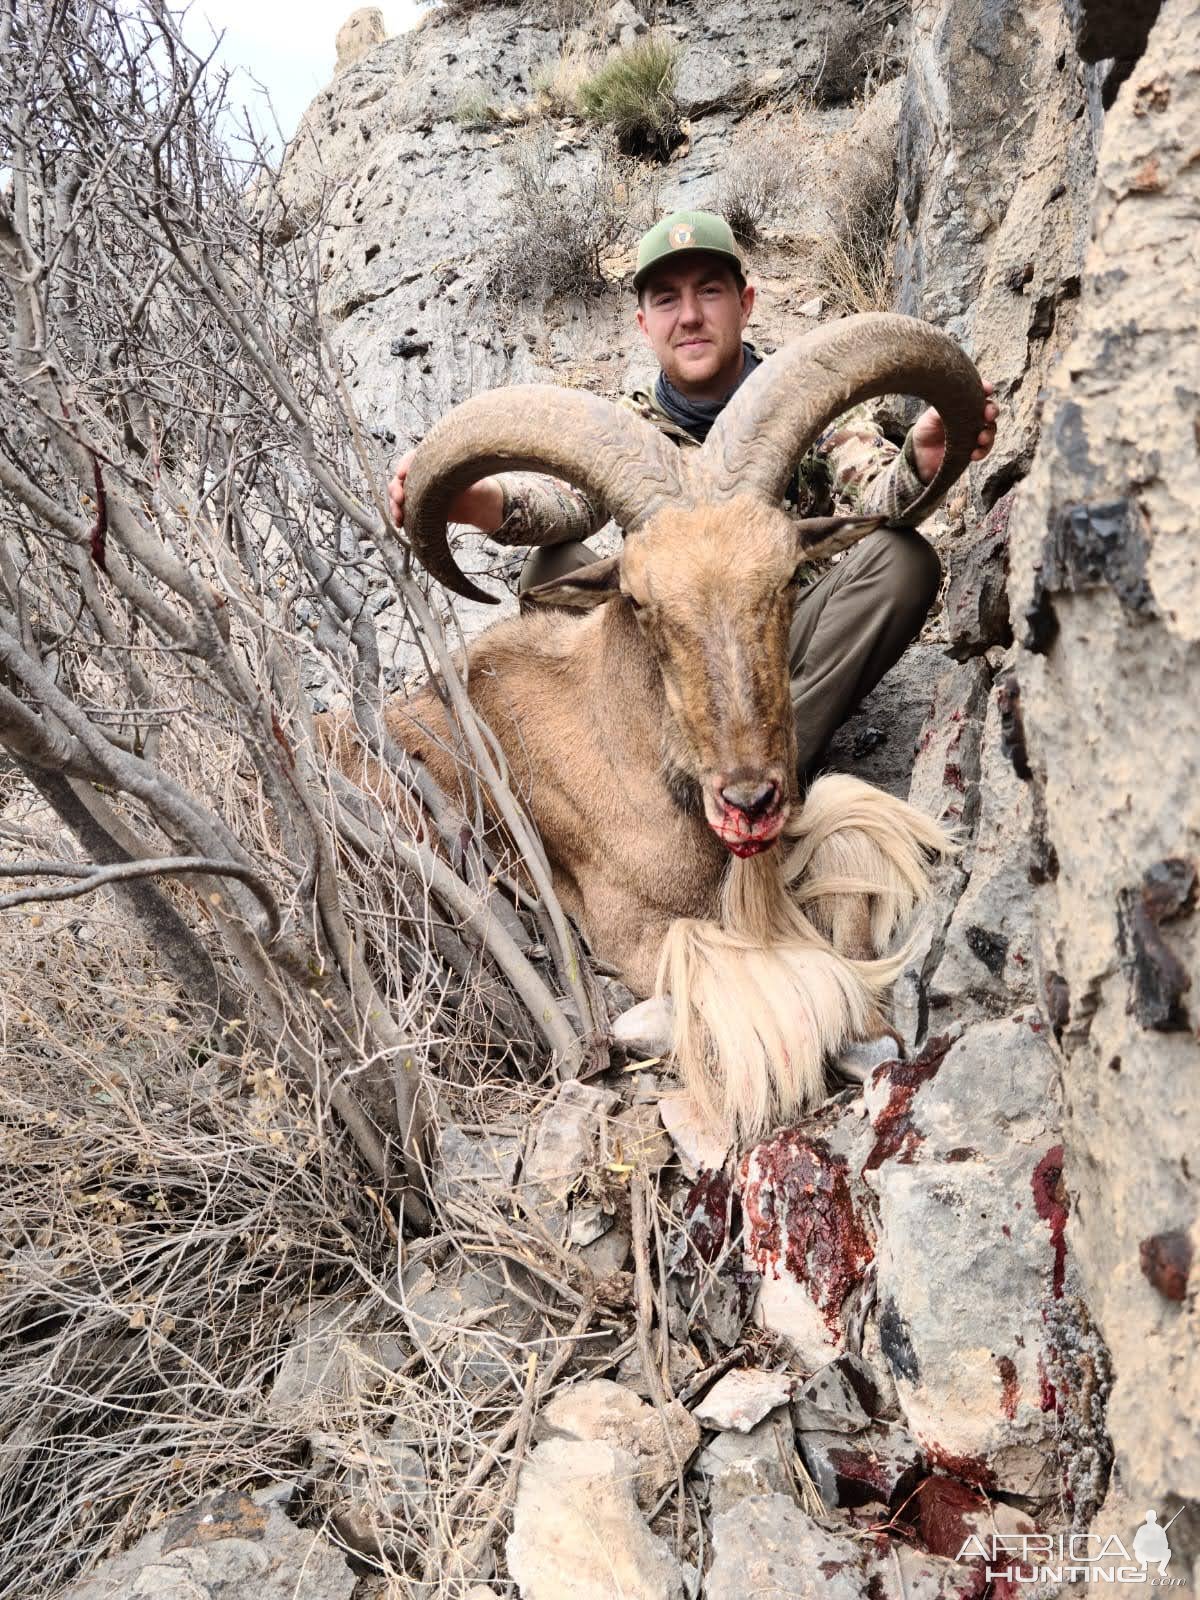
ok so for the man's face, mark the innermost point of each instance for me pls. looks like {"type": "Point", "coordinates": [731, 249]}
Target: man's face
{"type": "Point", "coordinates": [692, 315]}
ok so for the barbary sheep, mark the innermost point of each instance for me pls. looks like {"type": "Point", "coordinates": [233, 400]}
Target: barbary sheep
{"type": "Point", "coordinates": [653, 732]}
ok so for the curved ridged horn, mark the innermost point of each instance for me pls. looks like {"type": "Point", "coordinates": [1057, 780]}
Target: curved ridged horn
{"type": "Point", "coordinates": [611, 454]}
{"type": "Point", "coordinates": [777, 414]}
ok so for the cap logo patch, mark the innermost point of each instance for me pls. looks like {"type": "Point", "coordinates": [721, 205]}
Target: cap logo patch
{"type": "Point", "coordinates": [681, 235]}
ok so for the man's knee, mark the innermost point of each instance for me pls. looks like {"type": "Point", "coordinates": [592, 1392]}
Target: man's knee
{"type": "Point", "coordinates": [907, 569]}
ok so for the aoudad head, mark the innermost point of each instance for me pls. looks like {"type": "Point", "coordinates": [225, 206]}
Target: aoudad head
{"type": "Point", "coordinates": [704, 586]}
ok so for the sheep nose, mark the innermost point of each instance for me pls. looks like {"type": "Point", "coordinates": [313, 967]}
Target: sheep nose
{"type": "Point", "coordinates": [753, 800]}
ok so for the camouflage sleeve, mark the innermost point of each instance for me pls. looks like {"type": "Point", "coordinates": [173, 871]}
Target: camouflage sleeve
{"type": "Point", "coordinates": [869, 473]}
{"type": "Point", "coordinates": [543, 510]}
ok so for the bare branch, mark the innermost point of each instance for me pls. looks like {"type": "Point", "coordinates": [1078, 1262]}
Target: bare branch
{"type": "Point", "coordinates": [94, 877]}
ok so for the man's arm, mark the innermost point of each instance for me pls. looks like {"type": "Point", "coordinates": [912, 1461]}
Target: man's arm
{"type": "Point", "coordinates": [514, 507]}
{"type": "Point", "coordinates": [875, 477]}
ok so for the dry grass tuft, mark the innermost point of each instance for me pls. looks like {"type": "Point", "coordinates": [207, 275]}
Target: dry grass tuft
{"type": "Point", "coordinates": [633, 94]}
{"type": "Point", "coordinates": [176, 1229]}
{"type": "Point", "coordinates": [477, 110]}
{"type": "Point", "coordinates": [167, 1213]}
{"type": "Point", "coordinates": [557, 82]}
{"type": "Point", "coordinates": [852, 261]}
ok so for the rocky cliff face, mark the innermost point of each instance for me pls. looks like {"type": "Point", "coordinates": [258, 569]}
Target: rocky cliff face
{"type": "Point", "coordinates": [1012, 1262]}
{"type": "Point", "coordinates": [1106, 607]}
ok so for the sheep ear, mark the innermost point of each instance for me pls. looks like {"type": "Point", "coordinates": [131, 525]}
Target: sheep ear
{"type": "Point", "coordinates": [593, 585]}
{"type": "Point", "coordinates": [817, 537]}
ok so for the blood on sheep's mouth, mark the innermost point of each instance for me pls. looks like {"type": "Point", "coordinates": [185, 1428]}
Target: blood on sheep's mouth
{"type": "Point", "coordinates": [743, 837]}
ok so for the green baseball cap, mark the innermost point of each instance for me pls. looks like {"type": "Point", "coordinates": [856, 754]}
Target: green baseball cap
{"type": "Point", "coordinates": [685, 233]}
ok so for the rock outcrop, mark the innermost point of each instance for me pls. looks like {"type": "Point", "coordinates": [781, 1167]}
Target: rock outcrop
{"type": "Point", "coordinates": [1106, 606]}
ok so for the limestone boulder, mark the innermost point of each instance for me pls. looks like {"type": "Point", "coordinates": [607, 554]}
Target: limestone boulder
{"type": "Point", "coordinates": [360, 33]}
{"type": "Point", "coordinates": [998, 134]}
{"type": "Point", "coordinates": [660, 1440]}
{"type": "Point", "coordinates": [333, 1360]}
{"type": "Point", "coordinates": [227, 1544]}
{"type": "Point", "coordinates": [967, 1168]}
{"type": "Point", "coordinates": [741, 1399]}
{"type": "Point", "coordinates": [736, 1466]}
{"type": "Point", "coordinates": [1105, 587]}
{"type": "Point", "coordinates": [577, 1531]}
{"type": "Point", "coordinates": [809, 1230]}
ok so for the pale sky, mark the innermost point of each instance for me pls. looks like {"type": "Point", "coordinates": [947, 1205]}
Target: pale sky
{"type": "Point", "coordinates": [288, 48]}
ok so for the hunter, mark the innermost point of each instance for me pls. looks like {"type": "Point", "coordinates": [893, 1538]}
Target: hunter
{"type": "Point", "coordinates": [855, 620]}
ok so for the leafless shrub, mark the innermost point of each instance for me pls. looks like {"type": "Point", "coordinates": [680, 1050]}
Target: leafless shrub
{"type": "Point", "coordinates": [559, 227]}
{"type": "Point", "coordinates": [860, 55]}
{"type": "Point", "coordinates": [173, 1221]}
{"type": "Point", "coordinates": [763, 172]}
{"type": "Point", "coordinates": [223, 1059]}
{"type": "Point", "coordinates": [167, 1211]}
{"type": "Point", "coordinates": [852, 260]}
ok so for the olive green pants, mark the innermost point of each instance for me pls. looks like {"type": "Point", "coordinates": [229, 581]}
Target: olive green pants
{"type": "Point", "coordinates": [849, 627]}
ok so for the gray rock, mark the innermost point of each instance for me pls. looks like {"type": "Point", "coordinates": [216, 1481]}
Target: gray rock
{"type": "Point", "coordinates": [660, 1440]}
{"type": "Point", "coordinates": [577, 1531]}
{"type": "Point", "coordinates": [987, 966]}
{"type": "Point", "coordinates": [624, 22]}
{"type": "Point", "coordinates": [646, 1028]}
{"type": "Point", "coordinates": [880, 1466]}
{"type": "Point", "coordinates": [333, 1362]}
{"type": "Point", "coordinates": [572, 1133]}
{"type": "Point", "coordinates": [699, 1146]}
{"type": "Point", "coordinates": [966, 1165]}
{"type": "Point", "coordinates": [385, 1498]}
{"type": "Point", "coordinates": [608, 1252]}
{"type": "Point", "coordinates": [737, 1465]}
{"type": "Point", "coordinates": [859, 1059]}
{"type": "Point", "coordinates": [765, 1545]}
{"type": "Point", "coordinates": [706, 80]}
{"type": "Point", "coordinates": [945, 775]}
{"type": "Point", "coordinates": [945, 785]}
{"type": "Point", "coordinates": [992, 250]}
{"type": "Point", "coordinates": [809, 1229]}
{"type": "Point", "coordinates": [223, 1546]}
{"type": "Point", "coordinates": [469, 1325]}
{"type": "Point", "coordinates": [878, 743]}
{"type": "Point", "coordinates": [977, 592]}
{"type": "Point", "coordinates": [358, 35]}
{"type": "Point", "coordinates": [812, 308]}
{"type": "Point", "coordinates": [470, 1162]}
{"type": "Point", "coordinates": [841, 1398]}
{"type": "Point", "coordinates": [683, 1363]}
{"type": "Point", "coordinates": [1107, 616]}
{"type": "Point", "coordinates": [904, 1573]}
{"type": "Point", "coordinates": [568, 1136]}
{"type": "Point", "coordinates": [742, 1398]}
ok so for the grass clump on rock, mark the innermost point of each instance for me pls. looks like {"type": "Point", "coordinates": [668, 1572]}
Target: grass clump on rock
{"type": "Point", "coordinates": [633, 93]}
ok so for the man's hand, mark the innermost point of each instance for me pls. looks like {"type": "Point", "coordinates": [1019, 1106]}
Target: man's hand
{"type": "Point", "coordinates": [929, 438]}
{"type": "Point", "coordinates": [480, 506]}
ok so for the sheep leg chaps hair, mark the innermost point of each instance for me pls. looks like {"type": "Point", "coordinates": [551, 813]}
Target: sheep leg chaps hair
{"type": "Point", "coordinates": [796, 967]}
